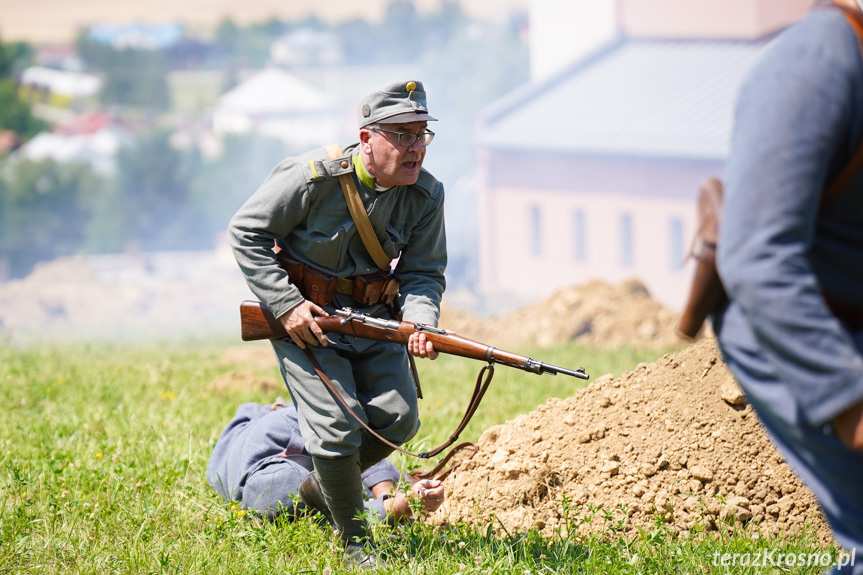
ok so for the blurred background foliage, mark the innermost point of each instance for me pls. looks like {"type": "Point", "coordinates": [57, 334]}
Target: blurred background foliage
{"type": "Point", "coordinates": [167, 197]}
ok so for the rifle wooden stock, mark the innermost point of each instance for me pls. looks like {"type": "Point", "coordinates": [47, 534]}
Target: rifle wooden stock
{"type": "Point", "coordinates": [258, 323]}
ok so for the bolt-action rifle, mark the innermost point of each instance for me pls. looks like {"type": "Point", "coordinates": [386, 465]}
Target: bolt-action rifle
{"type": "Point", "coordinates": [258, 322]}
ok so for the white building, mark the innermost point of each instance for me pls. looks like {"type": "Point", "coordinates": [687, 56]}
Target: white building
{"type": "Point", "coordinates": [98, 150]}
{"type": "Point", "coordinates": [276, 103]}
{"type": "Point", "coordinates": [64, 88]}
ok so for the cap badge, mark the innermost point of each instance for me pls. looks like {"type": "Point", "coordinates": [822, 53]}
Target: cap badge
{"type": "Point", "coordinates": [367, 111]}
{"type": "Point", "coordinates": [411, 86]}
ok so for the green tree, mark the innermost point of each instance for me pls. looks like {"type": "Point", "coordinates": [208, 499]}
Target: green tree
{"type": "Point", "coordinates": [14, 57]}
{"type": "Point", "coordinates": [15, 114]}
{"type": "Point", "coordinates": [222, 185]}
{"type": "Point", "coordinates": [45, 209]}
{"type": "Point", "coordinates": [250, 46]}
{"type": "Point", "coordinates": [133, 77]}
{"type": "Point", "coordinates": [227, 34]}
{"type": "Point", "coordinates": [153, 191]}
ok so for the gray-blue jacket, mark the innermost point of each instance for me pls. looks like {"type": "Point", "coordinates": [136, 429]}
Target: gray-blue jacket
{"type": "Point", "coordinates": [799, 119]}
{"type": "Point", "coordinates": [247, 464]}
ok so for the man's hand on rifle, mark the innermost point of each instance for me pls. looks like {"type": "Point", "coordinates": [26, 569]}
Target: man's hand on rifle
{"type": "Point", "coordinates": [420, 346]}
{"type": "Point", "coordinates": [300, 324]}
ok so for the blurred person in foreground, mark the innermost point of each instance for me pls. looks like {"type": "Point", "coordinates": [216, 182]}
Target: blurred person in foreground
{"type": "Point", "coordinates": [792, 332]}
{"type": "Point", "coordinates": [302, 208]}
{"type": "Point", "coordinates": [260, 460]}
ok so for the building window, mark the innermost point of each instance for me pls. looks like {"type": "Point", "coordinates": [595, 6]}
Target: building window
{"type": "Point", "coordinates": [535, 230]}
{"type": "Point", "coordinates": [579, 236]}
{"type": "Point", "coordinates": [676, 243]}
{"type": "Point", "coordinates": [625, 240]}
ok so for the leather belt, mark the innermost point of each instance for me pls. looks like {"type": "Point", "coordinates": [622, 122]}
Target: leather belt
{"type": "Point", "coordinates": [318, 286]}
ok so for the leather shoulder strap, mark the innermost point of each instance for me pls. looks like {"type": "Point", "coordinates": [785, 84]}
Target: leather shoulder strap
{"type": "Point", "coordinates": [358, 213]}
{"type": "Point", "coordinates": [855, 19]}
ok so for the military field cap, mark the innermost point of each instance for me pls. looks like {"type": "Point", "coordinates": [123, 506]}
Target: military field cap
{"type": "Point", "coordinates": [394, 103]}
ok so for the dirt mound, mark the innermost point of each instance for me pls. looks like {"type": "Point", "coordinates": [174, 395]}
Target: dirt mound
{"type": "Point", "coordinates": [673, 441]}
{"type": "Point", "coordinates": [73, 298]}
{"type": "Point", "coordinates": [594, 313]}
{"type": "Point", "coordinates": [198, 294]}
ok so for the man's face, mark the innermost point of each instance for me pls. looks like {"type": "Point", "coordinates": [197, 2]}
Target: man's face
{"type": "Point", "coordinates": [390, 163]}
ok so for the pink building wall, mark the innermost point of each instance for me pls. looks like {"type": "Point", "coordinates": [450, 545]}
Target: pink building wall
{"type": "Point", "coordinates": [652, 193]}
{"type": "Point", "coordinates": [708, 18]}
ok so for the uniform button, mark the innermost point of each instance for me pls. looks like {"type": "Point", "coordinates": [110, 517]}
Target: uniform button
{"type": "Point", "coordinates": [345, 164]}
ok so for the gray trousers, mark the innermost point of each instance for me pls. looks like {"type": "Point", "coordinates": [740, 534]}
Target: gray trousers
{"type": "Point", "coordinates": [373, 378]}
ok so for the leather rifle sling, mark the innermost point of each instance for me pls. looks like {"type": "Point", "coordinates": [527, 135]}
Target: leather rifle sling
{"type": "Point", "coordinates": [367, 234]}
{"type": "Point", "coordinates": [479, 390]}
{"type": "Point", "coordinates": [855, 19]}
{"type": "Point", "coordinates": [359, 215]}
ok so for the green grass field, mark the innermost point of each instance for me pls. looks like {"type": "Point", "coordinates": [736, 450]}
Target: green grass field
{"type": "Point", "coordinates": [103, 453]}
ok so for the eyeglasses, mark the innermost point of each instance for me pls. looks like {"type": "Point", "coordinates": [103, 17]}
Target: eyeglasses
{"type": "Point", "coordinates": [407, 139]}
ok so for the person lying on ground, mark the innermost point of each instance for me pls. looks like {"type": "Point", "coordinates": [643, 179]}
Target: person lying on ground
{"type": "Point", "coordinates": [260, 460]}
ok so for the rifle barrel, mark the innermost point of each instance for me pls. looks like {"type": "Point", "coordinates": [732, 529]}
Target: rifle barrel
{"type": "Point", "coordinates": [554, 370]}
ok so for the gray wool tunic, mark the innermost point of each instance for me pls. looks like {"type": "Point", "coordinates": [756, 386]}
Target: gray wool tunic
{"type": "Point", "coordinates": [301, 207]}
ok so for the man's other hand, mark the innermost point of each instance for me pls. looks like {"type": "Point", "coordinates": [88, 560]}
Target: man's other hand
{"type": "Point", "coordinates": [429, 492]}
{"type": "Point", "coordinates": [848, 426]}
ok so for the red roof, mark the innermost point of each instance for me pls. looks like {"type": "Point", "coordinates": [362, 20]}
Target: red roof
{"type": "Point", "coordinates": [88, 123]}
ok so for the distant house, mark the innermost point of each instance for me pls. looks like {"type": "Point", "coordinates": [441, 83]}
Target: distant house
{"type": "Point", "coordinates": [88, 139]}
{"type": "Point", "coordinates": [275, 103]}
{"type": "Point", "coordinates": [60, 88]}
{"type": "Point", "coordinates": [59, 57]}
{"type": "Point", "coordinates": [591, 172]}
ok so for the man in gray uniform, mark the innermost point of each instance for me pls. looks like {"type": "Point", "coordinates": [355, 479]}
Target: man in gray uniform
{"type": "Point", "coordinates": [260, 460]}
{"type": "Point", "coordinates": [792, 264]}
{"type": "Point", "coordinates": [302, 208]}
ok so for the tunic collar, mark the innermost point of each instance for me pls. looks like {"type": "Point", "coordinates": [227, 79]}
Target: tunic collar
{"type": "Point", "coordinates": [364, 176]}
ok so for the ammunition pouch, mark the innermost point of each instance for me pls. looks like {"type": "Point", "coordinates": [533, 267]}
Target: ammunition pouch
{"type": "Point", "coordinates": [319, 287]}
